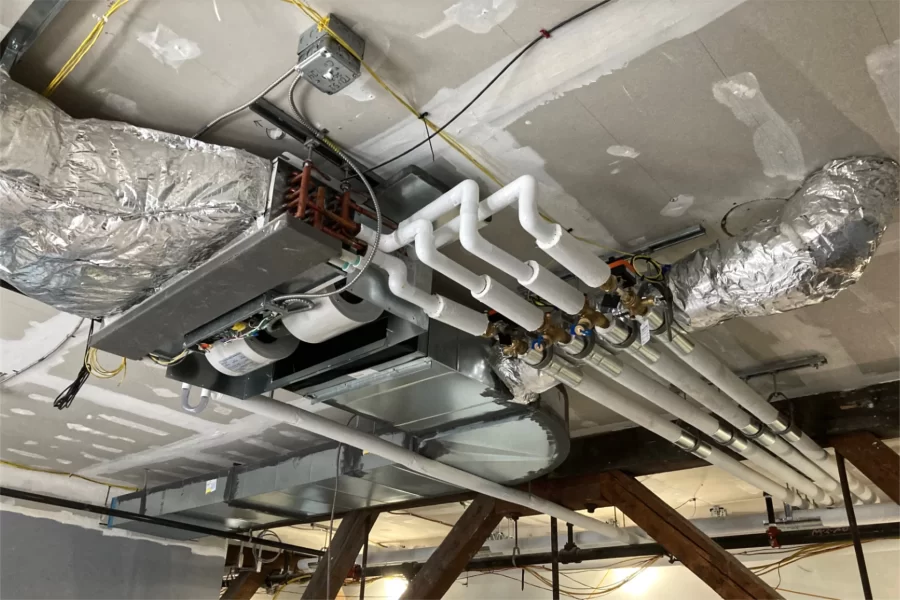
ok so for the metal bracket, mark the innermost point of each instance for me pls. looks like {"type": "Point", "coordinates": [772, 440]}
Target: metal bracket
{"type": "Point", "coordinates": [26, 30]}
{"type": "Point", "coordinates": [780, 366]}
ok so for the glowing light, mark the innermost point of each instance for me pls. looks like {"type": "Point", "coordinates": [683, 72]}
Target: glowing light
{"type": "Point", "coordinates": [640, 585]}
{"type": "Point", "coordinates": [394, 587]}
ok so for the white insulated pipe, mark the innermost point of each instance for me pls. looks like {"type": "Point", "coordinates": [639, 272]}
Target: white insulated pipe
{"type": "Point", "coordinates": [435, 306]}
{"type": "Point", "coordinates": [688, 381]}
{"type": "Point", "coordinates": [682, 409]}
{"type": "Point", "coordinates": [709, 366]}
{"type": "Point", "coordinates": [530, 274]}
{"type": "Point", "coordinates": [606, 396]}
{"type": "Point", "coordinates": [482, 287]}
{"type": "Point", "coordinates": [313, 423]}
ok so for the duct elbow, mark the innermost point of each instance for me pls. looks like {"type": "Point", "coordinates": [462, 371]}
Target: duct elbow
{"type": "Point", "coordinates": [826, 235]}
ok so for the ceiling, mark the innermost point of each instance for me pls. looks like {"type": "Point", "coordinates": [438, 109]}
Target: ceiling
{"type": "Point", "coordinates": [616, 115]}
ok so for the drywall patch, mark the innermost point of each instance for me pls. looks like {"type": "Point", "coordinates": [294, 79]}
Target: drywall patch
{"type": "Point", "coordinates": [168, 47]}
{"type": "Point", "coordinates": [775, 142]}
{"type": "Point", "coordinates": [221, 410]}
{"type": "Point", "coordinates": [107, 448]}
{"type": "Point", "coordinates": [63, 461]}
{"type": "Point", "coordinates": [677, 206]}
{"type": "Point", "coordinates": [117, 104]}
{"type": "Point", "coordinates": [364, 88]}
{"type": "Point", "coordinates": [623, 151]}
{"type": "Point", "coordinates": [26, 454]}
{"type": "Point", "coordinates": [22, 411]}
{"type": "Point", "coordinates": [162, 392]}
{"type": "Point", "coordinates": [65, 438]}
{"type": "Point", "coordinates": [92, 457]}
{"type": "Point", "coordinates": [884, 69]}
{"type": "Point", "coordinates": [133, 425]}
{"type": "Point", "coordinates": [41, 398]}
{"type": "Point", "coordinates": [31, 443]}
{"type": "Point", "coordinates": [477, 16]}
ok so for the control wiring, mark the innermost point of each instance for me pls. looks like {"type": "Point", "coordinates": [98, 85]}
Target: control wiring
{"type": "Point", "coordinates": [83, 48]}
{"type": "Point", "coordinates": [15, 465]}
{"type": "Point", "coordinates": [54, 350]}
{"type": "Point", "coordinates": [545, 34]}
{"type": "Point", "coordinates": [247, 104]}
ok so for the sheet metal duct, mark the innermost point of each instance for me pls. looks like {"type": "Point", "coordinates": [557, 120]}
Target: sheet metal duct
{"type": "Point", "coordinates": [94, 215]}
{"type": "Point", "coordinates": [821, 244]}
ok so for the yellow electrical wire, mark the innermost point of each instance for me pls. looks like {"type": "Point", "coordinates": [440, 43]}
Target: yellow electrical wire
{"type": "Point", "coordinates": [83, 49]}
{"type": "Point", "coordinates": [322, 24]}
{"type": "Point", "coordinates": [92, 363]}
{"type": "Point", "coordinates": [67, 474]}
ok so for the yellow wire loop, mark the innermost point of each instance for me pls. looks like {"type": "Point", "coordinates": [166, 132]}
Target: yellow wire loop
{"type": "Point", "coordinates": [83, 48]}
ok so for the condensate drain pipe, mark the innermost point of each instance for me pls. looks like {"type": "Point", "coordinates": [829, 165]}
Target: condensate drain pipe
{"type": "Point", "coordinates": [313, 423]}
{"type": "Point", "coordinates": [569, 374]}
{"type": "Point", "coordinates": [586, 352]}
{"type": "Point", "coordinates": [699, 358]}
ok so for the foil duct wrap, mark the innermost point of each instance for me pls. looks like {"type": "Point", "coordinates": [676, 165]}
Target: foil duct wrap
{"type": "Point", "coordinates": [826, 235]}
{"type": "Point", "coordinates": [94, 215]}
{"type": "Point", "coordinates": [525, 383]}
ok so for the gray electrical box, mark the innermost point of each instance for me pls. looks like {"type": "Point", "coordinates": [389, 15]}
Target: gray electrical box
{"type": "Point", "coordinates": [325, 62]}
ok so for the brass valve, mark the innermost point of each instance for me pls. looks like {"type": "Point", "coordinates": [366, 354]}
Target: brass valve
{"type": "Point", "coordinates": [551, 332]}
{"type": "Point", "coordinates": [634, 303]}
{"type": "Point", "coordinates": [517, 347]}
{"type": "Point", "coordinates": [589, 318]}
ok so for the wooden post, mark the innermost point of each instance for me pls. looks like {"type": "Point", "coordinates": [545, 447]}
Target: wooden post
{"type": "Point", "coordinates": [873, 458]}
{"type": "Point", "coordinates": [707, 560]}
{"type": "Point", "coordinates": [460, 545]}
{"type": "Point", "coordinates": [345, 546]}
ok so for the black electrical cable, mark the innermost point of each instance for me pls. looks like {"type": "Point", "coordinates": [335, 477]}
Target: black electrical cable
{"type": "Point", "coordinates": [65, 397]}
{"type": "Point", "coordinates": [545, 34]}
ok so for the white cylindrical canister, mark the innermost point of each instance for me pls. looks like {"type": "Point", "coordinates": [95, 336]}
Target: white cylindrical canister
{"type": "Point", "coordinates": [331, 317]}
{"type": "Point", "coordinates": [243, 355]}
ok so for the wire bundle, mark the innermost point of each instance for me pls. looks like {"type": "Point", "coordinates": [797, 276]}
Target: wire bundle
{"type": "Point", "coordinates": [65, 397]}
{"type": "Point", "coordinates": [94, 368]}
{"type": "Point", "coordinates": [83, 49]}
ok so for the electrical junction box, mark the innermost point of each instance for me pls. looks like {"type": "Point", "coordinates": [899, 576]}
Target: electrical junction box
{"type": "Point", "coordinates": [324, 62]}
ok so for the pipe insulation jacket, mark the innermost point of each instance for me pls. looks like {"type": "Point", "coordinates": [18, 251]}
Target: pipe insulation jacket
{"type": "Point", "coordinates": [682, 409]}
{"type": "Point", "coordinates": [597, 391]}
{"type": "Point", "coordinates": [707, 364]}
{"type": "Point", "coordinates": [676, 372]}
{"type": "Point", "coordinates": [313, 423]}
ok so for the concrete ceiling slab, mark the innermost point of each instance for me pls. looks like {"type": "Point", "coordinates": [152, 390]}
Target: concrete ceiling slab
{"type": "Point", "coordinates": [888, 13]}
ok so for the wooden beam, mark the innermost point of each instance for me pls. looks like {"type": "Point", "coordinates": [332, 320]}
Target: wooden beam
{"type": "Point", "coordinates": [245, 586]}
{"type": "Point", "coordinates": [710, 562]}
{"type": "Point", "coordinates": [345, 546]}
{"type": "Point", "coordinates": [454, 553]}
{"type": "Point", "coordinates": [873, 459]}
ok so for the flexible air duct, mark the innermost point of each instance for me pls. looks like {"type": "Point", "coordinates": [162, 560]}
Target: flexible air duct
{"type": "Point", "coordinates": [821, 244]}
{"type": "Point", "coordinates": [94, 215]}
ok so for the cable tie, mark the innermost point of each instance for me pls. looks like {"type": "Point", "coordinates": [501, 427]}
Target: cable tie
{"type": "Point", "coordinates": [423, 115]}
{"type": "Point", "coordinates": [104, 18]}
{"type": "Point", "coordinates": [545, 33]}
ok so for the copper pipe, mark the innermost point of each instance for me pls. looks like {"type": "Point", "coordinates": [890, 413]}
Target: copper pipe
{"type": "Point", "coordinates": [303, 192]}
{"type": "Point", "coordinates": [346, 209]}
{"type": "Point", "coordinates": [351, 226]}
{"type": "Point", "coordinates": [319, 217]}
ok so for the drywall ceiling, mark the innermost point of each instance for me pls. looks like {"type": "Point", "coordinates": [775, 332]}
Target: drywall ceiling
{"type": "Point", "coordinates": [617, 115]}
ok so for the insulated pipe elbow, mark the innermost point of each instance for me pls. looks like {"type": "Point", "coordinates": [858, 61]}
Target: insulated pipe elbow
{"type": "Point", "coordinates": [423, 234]}
{"type": "Point", "coordinates": [573, 255]}
{"type": "Point", "coordinates": [474, 243]}
{"type": "Point", "coordinates": [398, 282]}
{"type": "Point", "coordinates": [529, 214]}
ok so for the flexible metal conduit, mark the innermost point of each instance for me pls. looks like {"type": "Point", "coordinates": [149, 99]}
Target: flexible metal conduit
{"type": "Point", "coordinates": [709, 366]}
{"type": "Point", "coordinates": [688, 381]}
{"type": "Point", "coordinates": [280, 411]}
{"type": "Point", "coordinates": [593, 388]}
{"type": "Point", "coordinates": [599, 360]}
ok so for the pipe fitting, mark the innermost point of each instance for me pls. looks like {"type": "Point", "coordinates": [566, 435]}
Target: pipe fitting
{"type": "Point", "coordinates": [589, 318]}
{"type": "Point", "coordinates": [724, 435]}
{"type": "Point", "coordinates": [551, 332]}
{"type": "Point", "coordinates": [634, 303]}
{"type": "Point", "coordinates": [645, 353]}
{"type": "Point", "coordinates": [579, 347]}
{"type": "Point", "coordinates": [753, 430]}
{"type": "Point", "coordinates": [562, 369]}
{"type": "Point", "coordinates": [786, 429]}
{"type": "Point", "coordinates": [739, 444]}
{"type": "Point", "coordinates": [519, 347]}
{"type": "Point", "coordinates": [684, 345]}
{"type": "Point", "coordinates": [604, 362]}
{"type": "Point", "coordinates": [687, 442]}
{"type": "Point", "coordinates": [703, 450]}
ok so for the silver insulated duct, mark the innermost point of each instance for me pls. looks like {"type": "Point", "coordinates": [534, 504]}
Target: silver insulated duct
{"type": "Point", "coordinates": [821, 244]}
{"type": "Point", "coordinates": [96, 214]}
